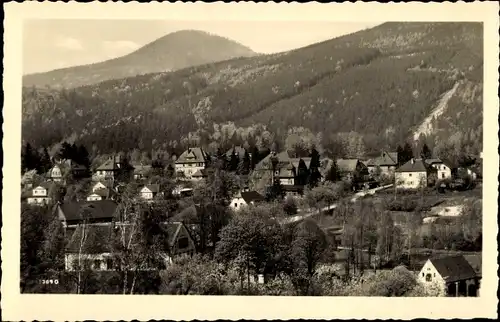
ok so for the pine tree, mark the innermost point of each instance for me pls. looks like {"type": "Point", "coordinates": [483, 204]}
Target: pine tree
{"type": "Point", "coordinates": [333, 173]}
{"type": "Point", "coordinates": [400, 153]}
{"type": "Point", "coordinates": [234, 160]}
{"type": "Point", "coordinates": [407, 153]}
{"type": "Point", "coordinates": [45, 163]}
{"type": "Point", "coordinates": [314, 174]}
{"type": "Point", "coordinates": [244, 165]}
{"type": "Point", "coordinates": [426, 152]}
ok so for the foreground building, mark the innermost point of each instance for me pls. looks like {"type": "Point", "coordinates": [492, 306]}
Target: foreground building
{"type": "Point", "coordinates": [414, 174]}
{"type": "Point", "coordinates": [453, 275]}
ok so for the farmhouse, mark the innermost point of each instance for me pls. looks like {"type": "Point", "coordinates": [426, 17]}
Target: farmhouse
{"type": "Point", "coordinates": [190, 161]}
{"type": "Point", "coordinates": [110, 169]}
{"type": "Point", "coordinates": [350, 169]}
{"type": "Point", "coordinates": [413, 174]}
{"type": "Point", "coordinates": [444, 169]}
{"type": "Point", "coordinates": [387, 162]}
{"type": "Point", "coordinates": [150, 191]}
{"type": "Point", "coordinates": [245, 198]}
{"type": "Point", "coordinates": [453, 275]}
{"type": "Point", "coordinates": [101, 194]}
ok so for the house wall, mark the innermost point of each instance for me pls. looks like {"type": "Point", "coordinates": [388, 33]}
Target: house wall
{"type": "Point", "coordinates": [430, 278]}
{"type": "Point", "coordinates": [287, 181]}
{"type": "Point", "coordinates": [237, 203]}
{"type": "Point", "coordinates": [94, 197]}
{"type": "Point", "coordinates": [146, 194]}
{"type": "Point", "coordinates": [39, 191]}
{"type": "Point", "coordinates": [189, 168]}
{"type": "Point", "coordinates": [103, 175]}
{"type": "Point", "coordinates": [443, 171]}
{"type": "Point", "coordinates": [96, 262]}
{"type": "Point", "coordinates": [410, 180]}
{"type": "Point", "coordinates": [190, 247]}
{"type": "Point", "coordinates": [38, 200]}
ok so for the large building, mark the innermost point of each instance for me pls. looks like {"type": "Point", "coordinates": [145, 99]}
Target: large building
{"type": "Point", "coordinates": [413, 174]}
{"type": "Point", "coordinates": [190, 162]}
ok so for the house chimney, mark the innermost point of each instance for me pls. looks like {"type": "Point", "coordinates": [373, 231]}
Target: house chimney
{"type": "Point", "coordinates": [412, 161]}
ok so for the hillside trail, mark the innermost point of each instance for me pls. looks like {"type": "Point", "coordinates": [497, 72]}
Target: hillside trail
{"type": "Point", "coordinates": [426, 126]}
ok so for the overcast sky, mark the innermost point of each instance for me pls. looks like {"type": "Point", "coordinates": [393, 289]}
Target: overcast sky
{"type": "Point", "coordinates": [50, 44]}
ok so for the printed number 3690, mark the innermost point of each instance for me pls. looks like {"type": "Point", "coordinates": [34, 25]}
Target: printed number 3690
{"type": "Point", "coordinates": [51, 281]}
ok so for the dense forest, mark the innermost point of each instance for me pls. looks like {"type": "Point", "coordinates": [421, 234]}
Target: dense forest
{"type": "Point", "coordinates": [375, 86]}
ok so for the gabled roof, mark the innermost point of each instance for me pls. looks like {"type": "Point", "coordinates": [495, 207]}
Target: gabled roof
{"type": "Point", "coordinates": [386, 159]}
{"type": "Point", "coordinates": [102, 209]}
{"type": "Point", "coordinates": [415, 165]}
{"type": "Point", "coordinates": [251, 196]}
{"type": "Point", "coordinates": [154, 188]}
{"type": "Point", "coordinates": [195, 155]}
{"type": "Point", "coordinates": [200, 173]}
{"type": "Point", "coordinates": [347, 165]}
{"type": "Point", "coordinates": [296, 161]}
{"type": "Point", "coordinates": [453, 268]}
{"type": "Point", "coordinates": [45, 185]}
{"type": "Point", "coordinates": [98, 240]}
{"type": "Point", "coordinates": [109, 165]}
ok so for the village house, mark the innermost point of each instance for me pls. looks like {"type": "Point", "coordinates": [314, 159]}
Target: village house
{"type": "Point", "coordinates": [444, 169]}
{"type": "Point", "coordinates": [39, 195]}
{"type": "Point", "coordinates": [245, 198]}
{"type": "Point", "coordinates": [387, 162]}
{"type": "Point", "coordinates": [287, 174]}
{"type": "Point", "coordinates": [190, 161]}
{"type": "Point", "coordinates": [150, 191]}
{"type": "Point", "coordinates": [352, 169]}
{"type": "Point", "coordinates": [111, 169]}
{"type": "Point", "coordinates": [97, 252]}
{"type": "Point", "coordinates": [101, 194]}
{"type": "Point", "coordinates": [237, 150]}
{"type": "Point", "coordinates": [453, 275]}
{"type": "Point", "coordinates": [414, 174]}
{"type": "Point", "coordinates": [64, 168]}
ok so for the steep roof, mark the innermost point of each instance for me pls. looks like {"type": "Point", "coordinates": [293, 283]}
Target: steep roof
{"type": "Point", "coordinates": [194, 155]}
{"type": "Point", "coordinates": [109, 165]}
{"type": "Point", "coordinates": [347, 165]}
{"type": "Point", "coordinates": [414, 166]}
{"type": "Point", "coordinates": [386, 159]}
{"type": "Point", "coordinates": [296, 161]}
{"type": "Point", "coordinates": [453, 268]}
{"type": "Point", "coordinates": [252, 196]}
{"type": "Point", "coordinates": [153, 187]}
{"type": "Point", "coordinates": [101, 209]}
{"type": "Point", "coordinates": [200, 173]}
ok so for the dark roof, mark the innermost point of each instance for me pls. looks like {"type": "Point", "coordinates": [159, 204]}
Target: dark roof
{"type": "Point", "coordinates": [153, 187]}
{"type": "Point", "coordinates": [200, 173]}
{"type": "Point", "coordinates": [251, 196]}
{"type": "Point", "coordinates": [416, 166]}
{"type": "Point", "coordinates": [99, 237]}
{"type": "Point", "coordinates": [386, 159]}
{"type": "Point", "coordinates": [108, 165]}
{"type": "Point", "coordinates": [475, 260]}
{"type": "Point", "coordinates": [293, 188]}
{"type": "Point", "coordinates": [453, 268]}
{"type": "Point", "coordinates": [194, 155]}
{"type": "Point", "coordinates": [97, 209]}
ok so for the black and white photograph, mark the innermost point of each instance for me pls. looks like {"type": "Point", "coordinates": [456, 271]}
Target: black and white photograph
{"type": "Point", "coordinates": [233, 157]}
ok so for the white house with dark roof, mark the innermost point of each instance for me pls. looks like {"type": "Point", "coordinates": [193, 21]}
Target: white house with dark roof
{"type": "Point", "coordinates": [110, 169]}
{"type": "Point", "coordinates": [452, 275]}
{"type": "Point", "coordinates": [191, 161]}
{"type": "Point", "coordinates": [245, 198]}
{"type": "Point", "coordinates": [39, 195]}
{"type": "Point", "coordinates": [414, 174]}
{"type": "Point", "coordinates": [444, 169]}
{"type": "Point", "coordinates": [149, 191]}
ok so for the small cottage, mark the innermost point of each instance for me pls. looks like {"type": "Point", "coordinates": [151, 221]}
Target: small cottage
{"type": "Point", "coordinates": [387, 162]}
{"type": "Point", "coordinates": [150, 191]}
{"type": "Point", "coordinates": [350, 169]}
{"type": "Point", "coordinates": [39, 195]}
{"type": "Point", "coordinates": [245, 198]}
{"type": "Point", "coordinates": [453, 275]}
{"type": "Point", "coordinates": [444, 169]}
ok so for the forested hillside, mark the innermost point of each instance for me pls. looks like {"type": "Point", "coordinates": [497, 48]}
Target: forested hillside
{"type": "Point", "coordinates": [174, 51]}
{"type": "Point", "coordinates": [351, 95]}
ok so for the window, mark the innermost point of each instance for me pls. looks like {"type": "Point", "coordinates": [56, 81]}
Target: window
{"type": "Point", "coordinates": [183, 242]}
{"type": "Point", "coordinates": [97, 264]}
{"type": "Point", "coordinates": [428, 278]}
{"type": "Point", "coordinates": [409, 175]}
{"type": "Point", "coordinates": [109, 264]}
{"type": "Point", "coordinates": [235, 205]}
{"type": "Point", "coordinates": [442, 175]}
{"type": "Point", "coordinates": [423, 274]}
